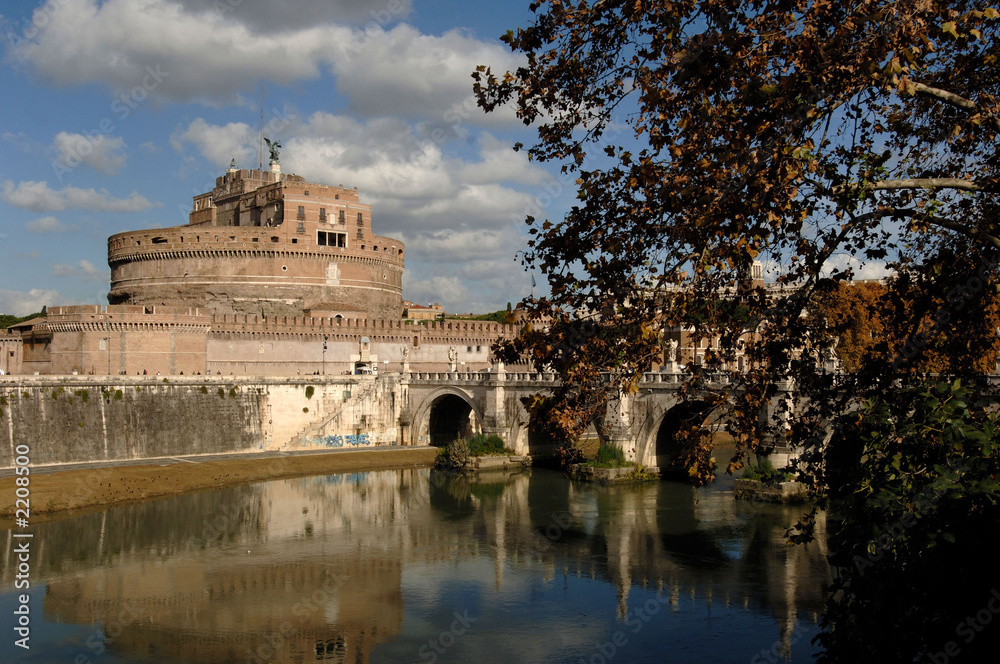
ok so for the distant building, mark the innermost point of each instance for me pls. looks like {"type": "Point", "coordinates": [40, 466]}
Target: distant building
{"type": "Point", "coordinates": [10, 352]}
{"type": "Point", "coordinates": [272, 275]}
{"type": "Point", "coordinates": [417, 312]}
{"type": "Point", "coordinates": [268, 244]}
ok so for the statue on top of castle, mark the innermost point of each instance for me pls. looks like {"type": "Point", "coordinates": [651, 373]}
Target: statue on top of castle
{"type": "Point", "coordinates": [273, 147]}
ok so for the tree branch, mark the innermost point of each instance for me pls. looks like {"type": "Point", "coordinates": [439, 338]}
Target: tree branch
{"type": "Point", "coordinates": [951, 98]}
{"type": "Point", "coordinates": [950, 224]}
{"type": "Point", "coordinates": [912, 183]}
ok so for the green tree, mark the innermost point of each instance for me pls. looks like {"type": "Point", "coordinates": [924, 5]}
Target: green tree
{"type": "Point", "coordinates": [6, 320]}
{"type": "Point", "coordinates": [814, 136]}
{"type": "Point", "coordinates": [911, 531]}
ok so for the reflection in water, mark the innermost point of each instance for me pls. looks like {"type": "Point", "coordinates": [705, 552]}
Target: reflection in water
{"type": "Point", "coordinates": [419, 566]}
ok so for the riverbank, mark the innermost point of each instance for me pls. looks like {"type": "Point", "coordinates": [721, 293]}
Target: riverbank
{"type": "Point", "coordinates": [57, 492]}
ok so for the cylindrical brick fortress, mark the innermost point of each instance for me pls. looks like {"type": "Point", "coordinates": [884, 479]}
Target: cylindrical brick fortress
{"type": "Point", "coordinates": [266, 244]}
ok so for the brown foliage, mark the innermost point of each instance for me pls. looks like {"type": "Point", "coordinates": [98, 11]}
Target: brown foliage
{"type": "Point", "coordinates": [705, 135]}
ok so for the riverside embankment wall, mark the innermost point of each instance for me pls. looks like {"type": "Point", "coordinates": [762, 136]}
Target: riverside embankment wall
{"type": "Point", "coordinates": [71, 419]}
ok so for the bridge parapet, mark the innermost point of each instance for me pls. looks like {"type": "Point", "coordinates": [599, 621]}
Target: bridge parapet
{"type": "Point", "coordinates": [532, 377]}
{"type": "Point", "coordinates": [720, 380]}
{"type": "Point", "coordinates": [449, 376]}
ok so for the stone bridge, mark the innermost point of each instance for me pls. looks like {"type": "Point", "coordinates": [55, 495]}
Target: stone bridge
{"type": "Point", "coordinates": [448, 405]}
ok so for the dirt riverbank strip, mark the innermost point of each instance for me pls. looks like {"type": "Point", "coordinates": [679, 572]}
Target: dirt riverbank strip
{"type": "Point", "coordinates": [53, 493]}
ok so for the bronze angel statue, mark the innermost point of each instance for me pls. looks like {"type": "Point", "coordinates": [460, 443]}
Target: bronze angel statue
{"type": "Point", "coordinates": [273, 147]}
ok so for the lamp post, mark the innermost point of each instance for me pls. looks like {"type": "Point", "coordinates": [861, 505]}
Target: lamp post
{"type": "Point", "coordinates": [107, 340]}
{"type": "Point", "coordinates": [324, 355]}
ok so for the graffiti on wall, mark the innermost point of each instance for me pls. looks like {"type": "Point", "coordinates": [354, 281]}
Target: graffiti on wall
{"type": "Point", "coordinates": [353, 440]}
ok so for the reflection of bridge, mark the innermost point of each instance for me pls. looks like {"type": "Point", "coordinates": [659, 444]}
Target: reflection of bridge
{"type": "Point", "coordinates": [447, 405]}
{"type": "Point", "coordinates": [318, 568]}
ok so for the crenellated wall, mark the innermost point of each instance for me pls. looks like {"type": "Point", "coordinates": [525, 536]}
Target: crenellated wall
{"type": "Point", "coordinates": [287, 345]}
{"type": "Point", "coordinates": [112, 340]}
{"type": "Point", "coordinates": [171, 341]}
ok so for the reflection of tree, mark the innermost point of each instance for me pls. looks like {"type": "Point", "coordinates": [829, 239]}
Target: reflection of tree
{"type": "Point", "coordinates": [450, 495]}
{"type": "Point", "coordinates": [666, 533]}
{"type": "Point", "coordinates": [194, 602]}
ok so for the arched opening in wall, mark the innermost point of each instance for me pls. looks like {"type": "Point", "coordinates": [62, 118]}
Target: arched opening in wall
{"type": "Point", "coordinates": [451, 418]}
{"type": "Point", "coordinates": [538, 441]}
{"type": "Point", "coordinates": [680, 430]}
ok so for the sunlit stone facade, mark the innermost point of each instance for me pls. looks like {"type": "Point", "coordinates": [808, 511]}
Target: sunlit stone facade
{"type": "Point", "coordinates": [268, 244]}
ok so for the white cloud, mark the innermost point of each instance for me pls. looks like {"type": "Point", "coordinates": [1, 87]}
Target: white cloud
{"type": "Point", "coordinates": [158, 49]}
{"type": "Point", "coordinates": [39, 197]}
{"type": "Point", "coordinates": [469, 205]}
{"type": "Point", "coordinates": [861, 269]}
{"type": "Point", "coordinates": [416, 74]}
{"type": "Point", "coordinates": [450, 245]}
{"type": "Point", "coordinates": [21, 141]}
{"type": "Point", "coordinates": [186, 51]}
{"type": "Point", "coordinates": [101, 152]}
{"type": "Point", "coordinates": [47, 225]}
{"type": "Point", "coordinates": [468, 270]}
{"type": "Point", "coordinates": [19, 303]}
{"type": "Point", "coordinates": [448, 291]}
{"type": "Point", "coordinates": [499, 163]}
{"type": "Point", "coordinates": [83, 271]}
{"type": "Point", "coordinates": [409, 179]}
{"type": "Point", "coordinates": [218, 144]}
{"type": "Point", "coordinates": [270, 16]}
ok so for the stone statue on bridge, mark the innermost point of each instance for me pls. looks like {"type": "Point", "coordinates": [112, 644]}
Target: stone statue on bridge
{"type": "Point", "coordinates": [672, 351]}
{"type": "Point", "coordinates": [830, 359]}
{"type": "Point", "coordinates": [452, 359]}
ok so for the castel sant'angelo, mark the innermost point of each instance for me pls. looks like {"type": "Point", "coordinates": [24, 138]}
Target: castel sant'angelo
{"type": "Point", "coordinates": [272, 275]}
{"type": "Point", "coordinates": [267, 244]}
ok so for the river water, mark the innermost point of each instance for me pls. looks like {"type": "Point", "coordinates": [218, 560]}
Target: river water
{"type": "Point", "coordinates": [415, 566]}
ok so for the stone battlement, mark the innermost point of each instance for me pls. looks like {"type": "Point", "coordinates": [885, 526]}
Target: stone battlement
{"type": "Point", "coordinates": [238, 242]}
{"type": "Point", "coordinates": [121, 318]}
{"type": "Point", "coordinates": [263, 243]}
{"type": "Point", "coordinates": [458, 331]}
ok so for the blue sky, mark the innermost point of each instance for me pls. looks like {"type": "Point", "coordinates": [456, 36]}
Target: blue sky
{"type": "Point", "coordinates": [117, 112]}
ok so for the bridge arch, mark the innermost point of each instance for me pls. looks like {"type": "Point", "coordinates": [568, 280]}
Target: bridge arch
{"type": "Point", "coordinates": [444, 415]}
{"type": "Point", "coordinates": [522, 438]}
{"type": "Point", "coordinates": [657, 445]}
